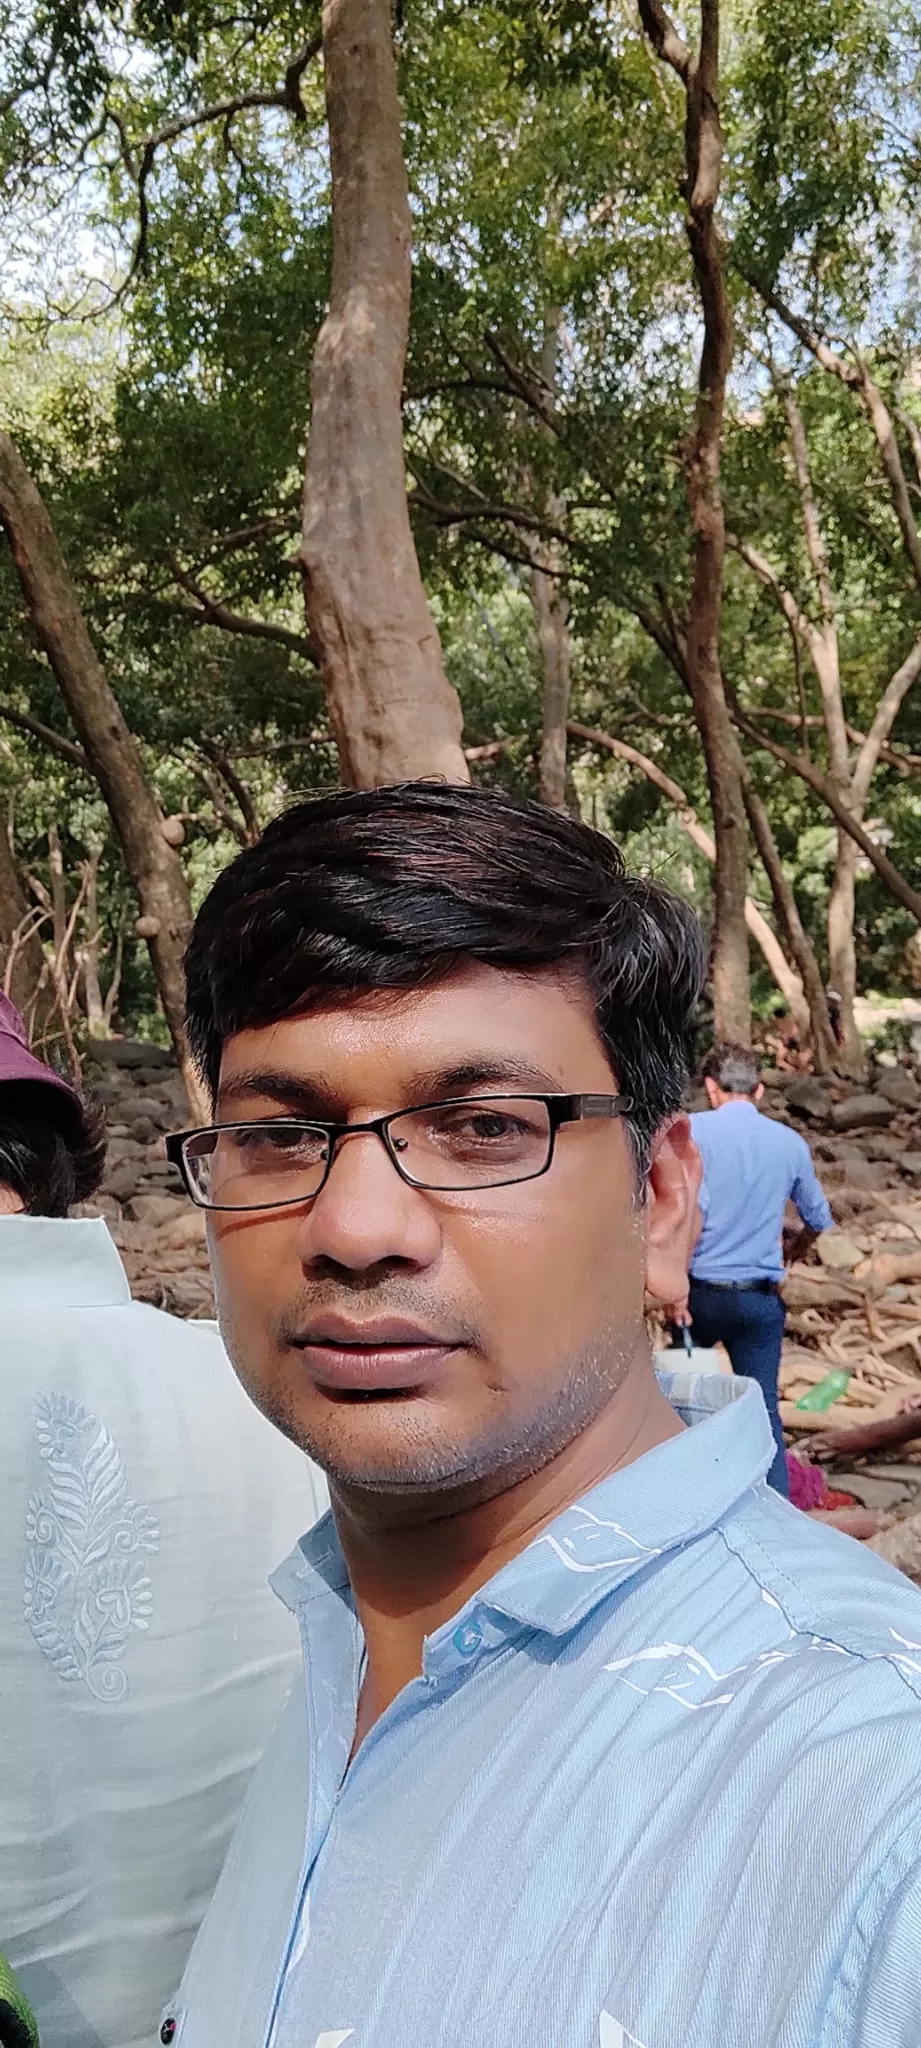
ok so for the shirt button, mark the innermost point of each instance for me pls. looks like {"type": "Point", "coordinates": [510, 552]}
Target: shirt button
{"type": "Point", "coordinates": [467, 1638]}
{"type": "Point", "coordinates": [167, 2031]}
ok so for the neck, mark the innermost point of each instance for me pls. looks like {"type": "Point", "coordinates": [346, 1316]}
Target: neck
{"type": "Point", "coordinates": [411, 1571]}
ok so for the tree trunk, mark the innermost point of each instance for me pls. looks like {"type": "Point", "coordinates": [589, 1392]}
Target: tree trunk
{"type": "Point", "coordinates": [89, 953]}
{"type": "Point", "coordinates": [842, 958]}
{"type": "Point", "coordinates": [61, 630]}
{"type": "Point", "coordinates": [788, 982]}
{"type": "Point", "coordinates": [813, 997]}
{"type": "Point", "coordinates": [393, 710]}
{"type": "Point", "coordinates": [703, 155]}
{"type": "Point", "coordinates": [551, 610]}
{"type": "Point", "coordinates": [556, 653]}
{"type": "Point", "coordinates": [24, 970]}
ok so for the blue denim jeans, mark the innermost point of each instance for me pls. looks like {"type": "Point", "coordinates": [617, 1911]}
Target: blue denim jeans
{"type": "Point", "coordinates": [751, 1325]}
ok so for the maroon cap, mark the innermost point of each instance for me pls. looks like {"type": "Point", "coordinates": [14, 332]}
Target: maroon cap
{"type": "Point", "coordinates": [17, 1063]}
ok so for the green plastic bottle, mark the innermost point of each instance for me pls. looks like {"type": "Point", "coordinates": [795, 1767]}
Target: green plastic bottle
{"type": "Point", "coordinates": [825, 1393]}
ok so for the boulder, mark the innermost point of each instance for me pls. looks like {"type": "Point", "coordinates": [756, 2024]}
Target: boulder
{"type": "Point", "coordinates": [122, 1182]}
{"type": "Point", "coordinates": [122, 1151]}
{"type": "Point", "coordinates": [862, 1112]}
{"type": "Point", "coordinates": [143, 1130]}
{"type": "Point", "coordinates": [808, 1098]}
{"type": "Point", "coordinates": [867, 1173]}
{"type": "Point", "coordinates": [840, 1149]}
{"type": "Point", "coordinates": [910, 1163]}
{"type": "Point", "coordinates": [128, 1052]}
{"type": "Point", "coordinates": [900, 1088]}
{"type": "Point", "coordinates": [884, 1148]}
{"type": "Point", "coordinates": [157, 1111]}
{"type": "Point", "coordinates": [158, 1209]}
{"type": "Point", "coordinates": [838, 1252]}
{"type": "Point", "coordinates": [186, 1231]}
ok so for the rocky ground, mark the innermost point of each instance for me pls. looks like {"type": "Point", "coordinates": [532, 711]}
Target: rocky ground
{"type": "Point", "coordinates": [160, 1235]}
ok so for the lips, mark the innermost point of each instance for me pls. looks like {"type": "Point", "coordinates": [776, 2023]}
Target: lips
{"type": "Point", "coordinates": [384, 1356]}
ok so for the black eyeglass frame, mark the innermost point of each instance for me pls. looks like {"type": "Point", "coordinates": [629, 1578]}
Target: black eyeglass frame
{"type": "Point", "coordinates": [561, 1109]}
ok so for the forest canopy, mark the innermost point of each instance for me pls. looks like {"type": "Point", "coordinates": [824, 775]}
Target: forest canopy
{"type": "Point", "coordinates": [619, 505]}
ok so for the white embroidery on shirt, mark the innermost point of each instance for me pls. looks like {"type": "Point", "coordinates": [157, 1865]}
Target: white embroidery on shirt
{"type": "Point", "coordinates": [689, 1671]}
{"type": "Point", "coordinates": [85, 1585]}
{"type": "Point", "coordinates": [612, 2035]}
{"type": "Point", "coordinates": [590, 1537]}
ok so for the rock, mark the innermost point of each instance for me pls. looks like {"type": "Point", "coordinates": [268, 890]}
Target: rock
{"type": "Point", "coordinates": [157, 1209]}
{"type": "Point", "coordinates": [867, 1173]}
{"type": "Point", "coordinates": [838, 1252]}
{"type": "Point", "coordinates": [154, 1077]}
{"type": "Point", "coordinates": [150, 1106]}
{"type": "Point", "coordinates": [104, 1088]}
{"type": "Point", "coordinates": [122, 1151]}
{"type": "Point", "coordinates": [842, 1149]}
{"type": "Point", "coordinates": [143, 1129]}
{"type": "Point", "coordinates": [808, 1098]}
{"type": "Point", "coordinates": [129, 1052]}
{"type": "Point", "coordinates": [900, 1088]}
{"type": "Point", "coordinates": [122, 1183]}
{"type": "Point", "coordinates": [858, 1112]}
{"type": "Point", "coordinates": [884, 1148]}
{"type": "Point", "coordinates": [159, 1170]}
{"type": "Point", "coordinates": [910, 1163]}
{"type": "Point", "coordinates": [188, 1230]}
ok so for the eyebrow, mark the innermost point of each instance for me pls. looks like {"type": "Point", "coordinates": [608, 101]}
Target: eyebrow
{"type": "Point", "coordinates": [316, 1096]}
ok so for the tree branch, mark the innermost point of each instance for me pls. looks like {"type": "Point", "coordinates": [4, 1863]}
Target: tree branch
{"type": "Point", "coordinates": [287, 96]}
{"type": "Point", "coordinates": [884, 717]}
{"type": "Point", "coordinates": [55, 741]}
{"type": "Point", "coordinates": [813, 776]}
{"type": "Point", "coordinates": [759, 565]}
{"type": "Point", "coordinates": [787, 980]}
{"type": "Point", "coordinates": [665, 40]}
{"type": "Point", "coordinates": [858, 378]}
{"type": "Point", "coordinates": [212, 613]}
{"type": "Point", "coordinates": [815, 542]}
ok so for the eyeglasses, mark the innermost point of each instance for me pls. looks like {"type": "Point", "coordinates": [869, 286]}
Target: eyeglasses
{"type": "Point", "coordinates": [473, 1141]}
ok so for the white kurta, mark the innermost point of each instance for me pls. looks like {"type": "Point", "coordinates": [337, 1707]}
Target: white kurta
{"type": "Point", "coordinates": [143, 1658]}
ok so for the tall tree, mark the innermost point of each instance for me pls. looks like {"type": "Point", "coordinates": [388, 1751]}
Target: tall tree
{"type": "Point", "coordinates": [393, 710]}
{"type": "Point", "coordinates": [60, 628]}
{"type": "Point", "coordinates": [699, 75]}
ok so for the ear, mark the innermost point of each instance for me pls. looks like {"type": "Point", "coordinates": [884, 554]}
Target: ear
{"type": "Point", "coordinates": [759, 1091]}
{"type": "Point", "coordinates": [674, 1219]}
{"type": "Point", "coordinates": [713, 1093]}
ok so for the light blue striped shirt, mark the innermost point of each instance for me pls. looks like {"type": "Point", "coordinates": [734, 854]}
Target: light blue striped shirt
{"type": "Point", "coordinates": [659, 1786]}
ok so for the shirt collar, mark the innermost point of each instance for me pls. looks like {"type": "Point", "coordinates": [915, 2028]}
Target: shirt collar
{"type": "Point", "coordinates": [58, 1262]}
{"type": "Point", "coordinates": [663, 1500]}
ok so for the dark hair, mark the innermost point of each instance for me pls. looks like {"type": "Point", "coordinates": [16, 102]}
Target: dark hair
{"type": "Point", "coordinates": [52, 1151]}
{"type": "Point", "coordinates": [392, 888]}
{"type": "Point", "coordinates": [734, 1068]}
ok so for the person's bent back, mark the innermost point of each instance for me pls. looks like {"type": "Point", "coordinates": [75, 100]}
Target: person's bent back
{"type": "Point", "coordinates": [144, 1503]}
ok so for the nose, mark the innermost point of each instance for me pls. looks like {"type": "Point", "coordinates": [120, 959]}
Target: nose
{"type": "Point", "coordinates": [366, 1215]}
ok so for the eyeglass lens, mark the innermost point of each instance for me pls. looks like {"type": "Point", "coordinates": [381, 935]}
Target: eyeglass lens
{"type": "Point", "coordinates": [480, 1142]}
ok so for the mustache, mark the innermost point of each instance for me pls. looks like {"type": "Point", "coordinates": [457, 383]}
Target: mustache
{"type": "Point", "coordinates": [360, 1297]}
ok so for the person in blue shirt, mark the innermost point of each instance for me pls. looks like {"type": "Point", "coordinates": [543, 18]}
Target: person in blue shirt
{"type": "Point", "coordinates": [599, 1744]}
{"type": "Point", "coordinates": [752, 1168]}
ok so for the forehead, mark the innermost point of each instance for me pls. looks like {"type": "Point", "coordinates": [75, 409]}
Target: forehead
{"type": "Point", "coordinates": [537, 1029]}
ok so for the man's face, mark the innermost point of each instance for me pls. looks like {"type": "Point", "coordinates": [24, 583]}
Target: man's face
{"type": "Point", "coordinates": [414, 1341]}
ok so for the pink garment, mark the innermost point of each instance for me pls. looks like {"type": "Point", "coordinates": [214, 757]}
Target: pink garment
{"type": "Point", "coordinates": [807, 1483]}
